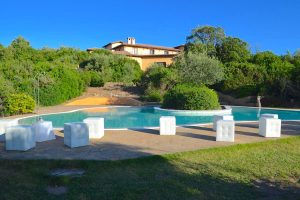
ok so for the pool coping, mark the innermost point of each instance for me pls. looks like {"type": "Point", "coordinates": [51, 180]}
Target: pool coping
{"type": "Point", "coordinates": [154, 127]}
{"type": "Point", "coordinates": [226, 111]}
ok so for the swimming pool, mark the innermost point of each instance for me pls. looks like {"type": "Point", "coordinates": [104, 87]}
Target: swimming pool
{"type": "Point", "coordinates": [142, 117]}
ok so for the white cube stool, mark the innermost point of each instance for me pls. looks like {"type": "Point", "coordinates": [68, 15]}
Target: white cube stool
{"type": "Point", "coordinates": [167, 125]}
{"type": "Point", "coordinates": [220, 117]}
{"type": "Point", "coordinates": [4, 123]}
{"type": "Point", "coordinates": [275, 116]}
{"type": "Point", "coordinates": [269, 127]}
{"type": "Point", "coordinates": [225, 131]}
{"type": "Point", "coordinates": [76, 134]}
{"type": "Point", "coordinates": [96, 127]}
{"type": "Point", "coordinates": [43, 131]}
{"type": "Point", "coordinates": [20, 138]}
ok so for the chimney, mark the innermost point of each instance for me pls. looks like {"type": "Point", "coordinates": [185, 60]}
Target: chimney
{"type": "Point", "coordinates": [131, 40]}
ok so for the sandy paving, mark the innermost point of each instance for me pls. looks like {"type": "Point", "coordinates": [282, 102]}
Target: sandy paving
{"type": "Point", "coordinates": [116, 145]}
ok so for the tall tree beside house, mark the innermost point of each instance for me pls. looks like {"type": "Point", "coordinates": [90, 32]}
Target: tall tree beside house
{"type": "Point", "coordinates": [232, 50]}
{"type": "Point", "coordinates": [203, 39]}
{"type": "Point", "coordinates": [199, 69]}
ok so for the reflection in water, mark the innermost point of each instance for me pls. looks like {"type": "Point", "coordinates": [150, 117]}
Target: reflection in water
{"type": "Point", "coordinates": [258, 112]}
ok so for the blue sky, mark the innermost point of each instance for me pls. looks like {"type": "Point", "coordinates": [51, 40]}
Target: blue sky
{"type": "Point", "coordinates": [264, 24]}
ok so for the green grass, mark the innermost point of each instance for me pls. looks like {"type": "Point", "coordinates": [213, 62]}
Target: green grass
{"type": "Point", "coordinates": [219, 173]}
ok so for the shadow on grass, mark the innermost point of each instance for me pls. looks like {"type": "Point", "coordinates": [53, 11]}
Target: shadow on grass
{"type": "Point", "coordinates": [145, 178]}
{"type": "Point", "coordinates": [181, 176]}
{"type": "Point", "coordinates": [276, 190]}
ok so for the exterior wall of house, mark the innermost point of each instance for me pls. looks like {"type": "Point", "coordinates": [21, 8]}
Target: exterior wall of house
{"type": "Point", "coordinates": [143, 55]}
{"type": "Point", "coordinates": [139, 60]}
{"type": "Point", "coordinates": [146, 62]}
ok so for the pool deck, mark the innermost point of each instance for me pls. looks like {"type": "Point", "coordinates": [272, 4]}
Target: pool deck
{"type": "Point", "coordinates": [125, 144]}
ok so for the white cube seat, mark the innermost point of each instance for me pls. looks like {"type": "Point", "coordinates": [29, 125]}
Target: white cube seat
{"type": "Point", "coordinates": [269, 127]}
{"type": "Point", "coordinates": [4, 123]}
{"type": "Point", "coordinates": [19, 138]}
{"type": "Point", "coordinates": [76, 134]}
{"type": "Point", "coordinates": [167, 125]}
{"type": "Point", "coordinates": [216, 118]}
{"type": "Point", "coordinates": [275, 116]}
{"type": "Point", "coordinates": [96, 127]}
{"type": "Point", "coordinates": [43, 131]}
{"type": "Point", "coordinates": [225, 131]}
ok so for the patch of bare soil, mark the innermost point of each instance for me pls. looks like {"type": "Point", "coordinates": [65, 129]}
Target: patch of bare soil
{"type": "Point", "coordinates": [113, 90]}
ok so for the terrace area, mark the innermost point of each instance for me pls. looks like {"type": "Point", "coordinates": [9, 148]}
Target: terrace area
{"type": "Point", "coordinates": [125, 144]}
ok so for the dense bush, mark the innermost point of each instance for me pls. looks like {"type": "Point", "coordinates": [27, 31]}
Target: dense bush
{"type": "Point", "coordinates": [263, 73]}
{"type": "Point", "coordinates": [157, 80]}
{"type": "Point", "coordinates": [187, 97]}
{"type": "Point", "coordinates": [159, 77]}
{"type": "Point", "coordinates": [242, 79]}
{"type": "Point", "coordinates": [60, 74]}
{"type": "Point", "coordinates": [18, 104]}
{"type": "Point", "coordinates": [233, 50]}
{"type": "Point", "coordinates": [199, 69]}
{"type": "Point", "coordinates": [66, 84]}
{"type": "Point", "coordinates": [96, 79]}
{"type": "Point", "coordinates": [113, 68]}
{"type": "Point", "coordinates": [152, 95]}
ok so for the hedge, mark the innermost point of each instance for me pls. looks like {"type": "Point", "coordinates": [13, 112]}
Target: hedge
{"type": "Point", "coordinates": [18, 104]}
{"type": "Point", "coordinates": [187, 97]}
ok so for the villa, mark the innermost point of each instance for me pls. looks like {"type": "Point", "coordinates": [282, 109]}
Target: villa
{"type": "Point", "coordinates": [144, 54]}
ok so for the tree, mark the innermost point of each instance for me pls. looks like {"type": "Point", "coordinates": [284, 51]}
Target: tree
{"type": "Point", "coordinates": [265, 58]}
{"type": "Point", "coordinates": [208, 35]}
{"type": "Point", "coordinates": [21, 50]}
{"type": "Point", "coordinates": [157, 80]}
{"type": "Point", "coordinates": [242, 79]}
{"type": "Point", "coordinates": [296, 58]}
{"type": "Point", "coordinates": [199, 69]}
{"type": "Point", "coordinates": [114, 68]}
{"type": "Point", "coordinates": [2, 52]}
{"type": "Point", "coordinates": [203, 39]}
{"type": "Point", "coordinates": [233, 50]}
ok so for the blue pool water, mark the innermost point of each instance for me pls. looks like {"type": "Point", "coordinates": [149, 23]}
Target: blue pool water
{"type": "Point", "coordinates": [137, 117]}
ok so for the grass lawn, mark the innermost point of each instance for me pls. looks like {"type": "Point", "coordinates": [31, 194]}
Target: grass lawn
{"type": "Point", "coordinates": [267, 170]}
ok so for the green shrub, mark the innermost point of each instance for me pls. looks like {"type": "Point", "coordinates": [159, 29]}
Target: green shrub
{"type": "Point", "coordinates": [188, 97]}
{"type": "Point", "coordinates": [6, 87]}
{"type": "Point", "coordinates": [156, 81]}
{"type": "Point", "coordinates": [113, 68]}
{"type": "Point", "coordinates": [152, 96]}
{"type": "Point", "coordinates": [242, 79]}
{"type": "Point", "coordinates": [199, 69]}
{"type": "Point", "coordinates": [67, 84]}
{"type": "Point", "coordinates": [86, 77]}
{"type": "Point", "coordinates": [18, 104]}
{"type": "Point", "coordinates": [96, 80]}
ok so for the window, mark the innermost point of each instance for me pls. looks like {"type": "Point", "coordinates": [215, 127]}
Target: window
{"type": "Point", "coordinates": [166, 52]}
{"type": "Point", "coordinates": [135, 51]}
{"type": "Point", "coordinates": [152, 52]}
{"type": "Point", "coordinates": [164, 64]}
